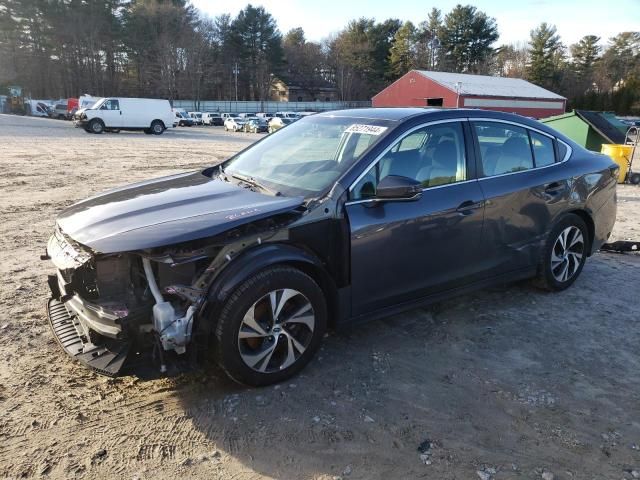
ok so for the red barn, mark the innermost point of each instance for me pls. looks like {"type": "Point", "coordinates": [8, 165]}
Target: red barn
{"type": "Point", "coordinates": [421, 88]}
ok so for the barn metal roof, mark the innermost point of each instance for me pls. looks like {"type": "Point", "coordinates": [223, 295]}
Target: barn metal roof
{"type": "Point", "coordinates": [484, 85]}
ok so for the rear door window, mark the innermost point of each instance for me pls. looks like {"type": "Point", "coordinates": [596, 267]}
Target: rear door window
{"type": "Point", "coordinates": [504, 148]}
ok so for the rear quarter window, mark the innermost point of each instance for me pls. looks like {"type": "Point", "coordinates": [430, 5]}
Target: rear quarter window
{"type": "Point", "coordinates": [543, 151]}
{"type": "Point", "coordinates": [562, 151]}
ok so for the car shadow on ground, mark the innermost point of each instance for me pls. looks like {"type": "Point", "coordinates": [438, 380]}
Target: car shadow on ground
{"type": "Point", "coordinates": [476, 383]}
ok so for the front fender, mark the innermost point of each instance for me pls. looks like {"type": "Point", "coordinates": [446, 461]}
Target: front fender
{"type": "Point", "coordinates": [250, 262]}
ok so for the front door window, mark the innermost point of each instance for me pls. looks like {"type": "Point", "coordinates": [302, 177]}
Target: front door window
{"type": "Point", "coordinates": [433, 155]}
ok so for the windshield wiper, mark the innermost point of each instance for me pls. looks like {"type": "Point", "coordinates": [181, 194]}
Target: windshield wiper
{"type": "Point", "coordinates": [252, 181]}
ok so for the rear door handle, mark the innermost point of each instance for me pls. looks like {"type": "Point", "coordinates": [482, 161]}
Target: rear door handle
{"type": "Point", "coordinates": [468, 207]}
{"type": "Point", "coordinates": [554, 187]}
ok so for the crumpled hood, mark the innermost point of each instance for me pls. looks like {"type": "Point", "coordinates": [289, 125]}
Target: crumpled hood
{"type": "Point", "coordinates": [166, 211]}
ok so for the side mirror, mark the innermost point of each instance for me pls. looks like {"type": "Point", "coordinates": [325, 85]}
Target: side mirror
{"type": "Point", "coordinates": [398, 187]}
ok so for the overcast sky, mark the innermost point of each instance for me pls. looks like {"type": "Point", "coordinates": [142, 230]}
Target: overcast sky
{"type": "Point", "coordinates": [574, 18]}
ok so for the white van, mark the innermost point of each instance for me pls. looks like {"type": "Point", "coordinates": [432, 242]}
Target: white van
{"type": "Point", "coordinates": [38, 108]}
{"type": "Point", "coordinates": [146, 114]}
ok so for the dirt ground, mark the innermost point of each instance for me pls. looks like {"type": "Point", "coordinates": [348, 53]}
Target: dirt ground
{"type": "Point", "coordinates": [504, 383]}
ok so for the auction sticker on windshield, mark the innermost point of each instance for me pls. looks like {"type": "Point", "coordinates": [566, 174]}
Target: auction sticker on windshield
{"type": "Point", "coordinates": [367, 129]}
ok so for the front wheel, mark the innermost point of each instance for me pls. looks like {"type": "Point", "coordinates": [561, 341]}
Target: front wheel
{"type": "Point", "coordinates": [96, 126]}
{"type": "Point", "coordinates": [157, 127]}
{"type": "Point", "coordinates": [634, 178]}
{"type": "Point", "coordinates": [564, 254]}
{"type": "Point", "coordinates": [271, 326]}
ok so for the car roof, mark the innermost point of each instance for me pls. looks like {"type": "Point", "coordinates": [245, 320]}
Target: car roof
{"type": "Point", "coordinates": [401, 114]}
{"type": "Point", "coordinates": [396, 114]}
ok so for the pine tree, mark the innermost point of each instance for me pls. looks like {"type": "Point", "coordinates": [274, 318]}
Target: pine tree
{"type": "Point", "coordinates": [545, 56]}
{"type": "Point", "coordinates": [466, 39]}
{"type": "Point", "coordinates": [584, 55]}
{"type": "Point", "coordinates": [402, 56]}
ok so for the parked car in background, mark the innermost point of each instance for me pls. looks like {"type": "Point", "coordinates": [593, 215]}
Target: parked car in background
{"type": "Point", "coordinates": [182, 119]}
{"type": "Point", "coordinates": [264, 115]}
{"type": "Point", "coordinates": [234, 124]}
{"type": "Point", "coordinates": [246, 115]}
{"type": "Point", "coordinates": [276, 123]}
{"type": "Point", "coordinates": [385, 210]}
{"type": "Point", "coordinates": [36, 108]}
{"type": "Point", "coordinates": [149, 115]}
{"type": "Point", "coordinates": [291, 115]}
{"type": "Point", "coordinates": [227, 115]}
{"type": "Point", "coordinates": [214, 119]}
{"type": "Point", "coordinates": [197, 117]}
{"type": "Point", "coordinates": [59, 111]}
{"type": "Point", "coordinates": [86, 101]}
{"type": "Point", "coordinates": [256, 125]}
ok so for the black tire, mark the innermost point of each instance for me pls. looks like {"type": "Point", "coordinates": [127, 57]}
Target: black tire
{"type": "Point", "coordinates": [550, 278]}
{"type": "Point", "coordinates": [634, 178]}
{"type": "Point", "coordinates": [96, 126]}
{"type": "Point", "coordinates": [231, 319]}
{"type": "Point", "coordinates": [157, 127]}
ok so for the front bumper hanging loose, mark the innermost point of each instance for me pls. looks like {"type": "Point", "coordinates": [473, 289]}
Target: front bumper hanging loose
{"type": "Point", "coordinates": [108, 358]}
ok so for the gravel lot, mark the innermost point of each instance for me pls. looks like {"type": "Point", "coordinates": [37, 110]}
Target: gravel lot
{"type": "Point", "coordinates": [505, 383]}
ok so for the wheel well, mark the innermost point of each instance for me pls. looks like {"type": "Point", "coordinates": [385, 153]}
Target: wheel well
{"type": "Point", "coordinates": [591, 228]}
{"type": "Point", "coordinates": [324, 281]}
{"type": "Point", "coordinates": [158, 120]}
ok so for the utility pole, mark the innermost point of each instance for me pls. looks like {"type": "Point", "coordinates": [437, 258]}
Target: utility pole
{"type": "Point", "coordinates": [235, 72]}
{"type": "Point", "coordinates": [458, 88]}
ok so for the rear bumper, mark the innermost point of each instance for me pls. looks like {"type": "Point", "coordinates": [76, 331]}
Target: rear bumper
{"type": "Point", "coordinates": [107, 358]}
{"type": "Point", "coordinates": [604, 220]}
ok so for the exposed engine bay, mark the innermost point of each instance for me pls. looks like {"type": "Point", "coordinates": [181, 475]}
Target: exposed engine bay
{"type": "Point", "coordinates": [156, 292]}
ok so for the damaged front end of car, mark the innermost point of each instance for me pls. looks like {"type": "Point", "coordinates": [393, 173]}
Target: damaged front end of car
{"type": "Point", "coordinates": [104, 306]}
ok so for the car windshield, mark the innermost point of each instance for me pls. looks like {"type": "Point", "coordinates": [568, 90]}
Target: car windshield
{"type": "Point", "coordinates": [307, 157]}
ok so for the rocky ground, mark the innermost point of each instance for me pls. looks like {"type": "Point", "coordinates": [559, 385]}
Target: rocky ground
{"type": "Point", "coordinates": [504, 383]}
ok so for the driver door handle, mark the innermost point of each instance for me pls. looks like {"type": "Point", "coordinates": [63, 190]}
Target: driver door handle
{"type": "Point", "coordinates": [468, 207]}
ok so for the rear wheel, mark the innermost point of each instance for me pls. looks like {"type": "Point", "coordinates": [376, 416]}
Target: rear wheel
{"type": "Point", "coordinates": [634, 178]}
{"type": "Point", "coordinates": [271, 326]}
{"type": "Point", "coordinates": [157, 127]}
{"type": "Point", "coordinates": [564, 254]}
{"type": "Point", "coordinates": [96, 126]}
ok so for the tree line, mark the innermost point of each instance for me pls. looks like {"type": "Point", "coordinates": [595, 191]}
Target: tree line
{"type": "Point", "coordinates": [168, 49]}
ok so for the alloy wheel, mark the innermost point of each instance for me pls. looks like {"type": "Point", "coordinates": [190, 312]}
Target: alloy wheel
{"type": "Point", "coordinates": [567, 253]}
{"type": "Point", "coordinates": [276, 331]}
